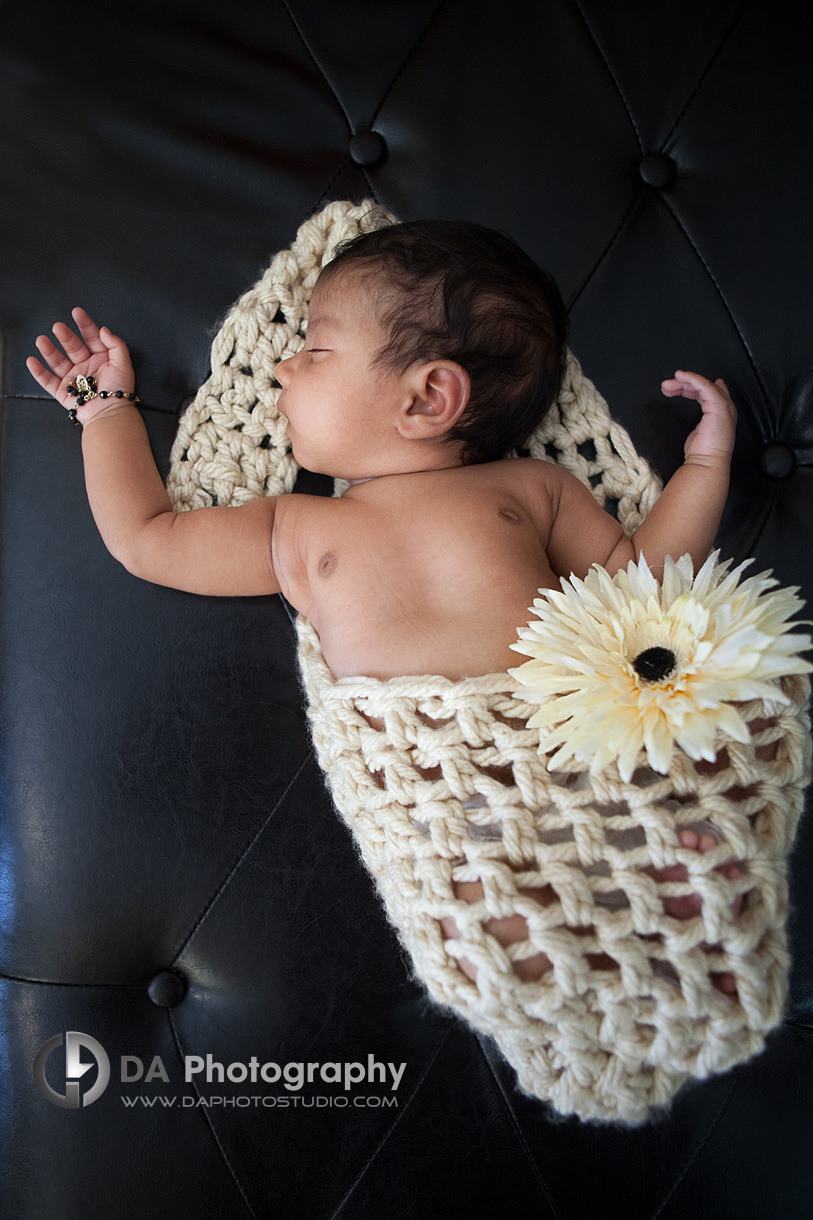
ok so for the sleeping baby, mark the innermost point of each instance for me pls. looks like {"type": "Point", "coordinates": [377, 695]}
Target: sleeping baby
{"type": "Point", "coordinates": [433, 350]}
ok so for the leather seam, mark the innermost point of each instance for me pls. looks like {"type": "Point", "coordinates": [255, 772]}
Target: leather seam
{"type": "Point", "coordinates": [806, 1029]}
{"type": "Point", "coordinates": [221, 888]}
{"type": "Point", "coordinates": [344, 165]}
{"type": "Point", "coordinates": [520, 1134]}
{"type": "Point", "coordinates": [752, 546]}
{"type": "Point", "coordinates": [696, 1154]}
{"type": "Point", "coordinates": [613, 76]}
{"type": "Point", "coordinates": [17, 978]}
{"type": "Point", "coordinates": [346, 1197]}
{"type": "Point", "coordinates": [142, 406]}
{"type": "Point", "coordinates": [319, 67]}
{"type": "Point", "coordinates": [751, 358]}
{"type": "Point", "coordinates": [710, 64]}
{"type": "Point", "coordinates": [408, 57]}
{"type": "Point", "coordinates": [208, 1121]}
{"type": "Point", "coordinates": [611, 242]}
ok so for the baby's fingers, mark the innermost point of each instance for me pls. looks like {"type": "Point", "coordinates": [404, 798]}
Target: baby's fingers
{"type": "Point", "coordinates": [690, 385]}
{"type": "Point", "coordinates": [118, 352]}
{"type": "Point", "coordinates": [43, 377]}
{"type": "Point", "coordinates": [693, 385]}
{"type": "Point", "coordinates": [55, 359]}
{"type": "Point", "coordinates": [71, 342]}
{"type": "Point", "coordinates": [88, 330]}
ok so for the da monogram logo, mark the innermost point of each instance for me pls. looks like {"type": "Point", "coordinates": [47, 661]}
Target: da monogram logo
{"type": "Point", "coordinates": [74, 1068]}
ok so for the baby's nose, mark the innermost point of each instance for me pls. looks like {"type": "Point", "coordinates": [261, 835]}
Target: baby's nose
{"type": "Point", "coordinates": [284, 370]}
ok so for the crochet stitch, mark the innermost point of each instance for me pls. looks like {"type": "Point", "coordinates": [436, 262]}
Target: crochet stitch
{"type": "Point", "coordinates": [453, 788]}
{"type": "Point", "coordinates": [603, 1043]}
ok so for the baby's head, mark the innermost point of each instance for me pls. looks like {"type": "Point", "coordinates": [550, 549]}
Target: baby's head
{"type": "Point", "coordinates": [453, 317]}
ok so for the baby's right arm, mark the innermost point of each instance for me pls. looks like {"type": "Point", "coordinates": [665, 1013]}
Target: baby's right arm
{"type": "Point", "coordinates": [220, 551]}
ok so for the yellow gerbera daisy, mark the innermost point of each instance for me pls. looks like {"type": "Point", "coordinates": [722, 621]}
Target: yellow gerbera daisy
{"type": "Point", "coordinates": [625, 663]}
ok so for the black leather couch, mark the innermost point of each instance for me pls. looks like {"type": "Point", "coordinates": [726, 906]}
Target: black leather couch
{"type": "Point", "coordinates": [173, 878]}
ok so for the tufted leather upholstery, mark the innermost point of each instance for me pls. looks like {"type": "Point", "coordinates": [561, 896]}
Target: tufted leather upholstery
{"type": "Point", "coordinates": [161, 809]}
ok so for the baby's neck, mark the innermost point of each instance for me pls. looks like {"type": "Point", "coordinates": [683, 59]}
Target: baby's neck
{"type": "Point", "coordinates": [427, 470]}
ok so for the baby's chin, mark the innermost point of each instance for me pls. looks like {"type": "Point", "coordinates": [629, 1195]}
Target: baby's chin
{"type": "Point", "coordinates": [314, 465]}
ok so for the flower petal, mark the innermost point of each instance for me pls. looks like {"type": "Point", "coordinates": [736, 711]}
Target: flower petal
{"type": "Point", "coordinates": [730, 636]}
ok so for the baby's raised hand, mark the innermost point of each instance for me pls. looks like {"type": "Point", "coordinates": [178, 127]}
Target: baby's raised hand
{"type": "Point", "coordinates": [712, 441]}
{"type": "Point", "coordinates": [98, 353]}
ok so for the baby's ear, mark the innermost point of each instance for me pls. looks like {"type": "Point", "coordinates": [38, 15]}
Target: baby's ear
{"type": "Point", "coordinates": [438, 394]}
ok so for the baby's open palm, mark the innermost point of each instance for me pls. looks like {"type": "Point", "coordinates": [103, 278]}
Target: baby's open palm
{"type": "Point", "coordinates": [98, 353]}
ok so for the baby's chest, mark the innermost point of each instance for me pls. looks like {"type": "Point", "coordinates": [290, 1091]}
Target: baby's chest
{"type": "Point", "coordinates": [447, 602]}
{"type": "Point", "coordinates": [421, 565]}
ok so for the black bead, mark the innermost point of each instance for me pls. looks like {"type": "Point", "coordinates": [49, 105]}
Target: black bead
{"type": "Point", "coordinates": [119, 393]}
{"type": "Point", "coordinates": [655, 664]}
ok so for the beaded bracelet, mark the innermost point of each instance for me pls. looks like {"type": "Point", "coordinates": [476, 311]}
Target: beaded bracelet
{"type": "Point", "coordinates": [84, 389]}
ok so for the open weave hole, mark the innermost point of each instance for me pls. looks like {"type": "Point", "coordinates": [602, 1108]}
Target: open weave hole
{"type": "Point", "coordinates": [442, 782]}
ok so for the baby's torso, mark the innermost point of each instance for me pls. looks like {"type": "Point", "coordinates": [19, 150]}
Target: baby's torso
{"type": "Point", "coordinates": [420, 573]}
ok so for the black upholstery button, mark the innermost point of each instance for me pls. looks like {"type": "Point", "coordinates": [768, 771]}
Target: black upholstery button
{"type": "Point", "coordinates": [167, 988]}
{"type": "Point", "coordinates": [778, 460]}
{"type": "Point", "coordinates": [368, 148]}
{"type": "Point", "coordinates": [657, 169]}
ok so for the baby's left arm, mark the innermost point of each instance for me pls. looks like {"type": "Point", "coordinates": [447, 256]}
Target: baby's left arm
{"type": "Point", "coordinates": [687, 514]}
{"type": "Point", "coordinates": [685, 517]}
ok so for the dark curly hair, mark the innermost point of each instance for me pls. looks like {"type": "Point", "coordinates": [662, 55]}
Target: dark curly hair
{"type": "Point", "coordinates": [455, 290]}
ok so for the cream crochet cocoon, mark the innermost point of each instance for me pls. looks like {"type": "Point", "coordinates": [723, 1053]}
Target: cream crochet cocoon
{"type": "Point", "coordinates": [453, 787]}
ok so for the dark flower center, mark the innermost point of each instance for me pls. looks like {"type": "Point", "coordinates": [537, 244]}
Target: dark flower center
{"type": "Point", "coordinates": [655, 664]}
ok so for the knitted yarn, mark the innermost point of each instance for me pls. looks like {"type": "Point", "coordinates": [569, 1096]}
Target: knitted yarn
{"type": "Point", "coordinates": [231, 444]}
{"type": "Point", "coordinates": [454, 789]}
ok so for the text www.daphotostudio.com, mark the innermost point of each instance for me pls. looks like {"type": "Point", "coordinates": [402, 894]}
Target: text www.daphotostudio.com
{"type": "Point", "coordinates": [199, 1070]}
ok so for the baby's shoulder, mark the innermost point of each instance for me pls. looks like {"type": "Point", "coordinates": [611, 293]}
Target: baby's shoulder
{"type": "Point", "coordinates": [540, 475]}
{"type": "Point", "coordinates": [527, 477]}
{"type": "Point", "coordinates": [527, 485]}
{"type": "Point", "coordinates": [518, 468]}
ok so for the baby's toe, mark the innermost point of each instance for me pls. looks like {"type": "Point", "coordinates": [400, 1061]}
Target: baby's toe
{"type": "Point", "coordinates": [689, 904]}
{"type": "Point", "coordinates": [729, 870]}
{"type": "Point", "coordinates": [731, 873]}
